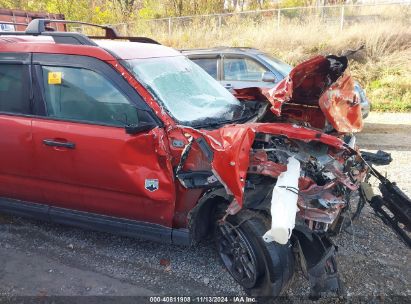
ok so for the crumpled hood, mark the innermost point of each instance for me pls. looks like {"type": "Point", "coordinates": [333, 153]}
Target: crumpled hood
{"type": "Point", "coordinates": [321, 81]}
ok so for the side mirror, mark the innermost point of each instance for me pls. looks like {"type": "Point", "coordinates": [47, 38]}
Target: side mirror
{"type": "Point", "coordinates": [268, 77]}
{"type": "Point", "coordinates": [142, 127]}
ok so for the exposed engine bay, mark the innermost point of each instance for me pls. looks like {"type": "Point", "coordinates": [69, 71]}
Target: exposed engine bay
{"type": "Point", "coordinates": [326, 182]}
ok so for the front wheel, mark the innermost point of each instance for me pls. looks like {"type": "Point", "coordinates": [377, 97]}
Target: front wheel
{"type": "Point", "coordinates": [262, 269]}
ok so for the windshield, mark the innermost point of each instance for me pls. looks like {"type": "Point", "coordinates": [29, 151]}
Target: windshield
{"type": "Point", "coordinates": [188, 93]}
{"type": "Point", "coordinates": [283, 68]}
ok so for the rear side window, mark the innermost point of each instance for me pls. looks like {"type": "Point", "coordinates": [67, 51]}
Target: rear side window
{"type": "Point", "coordinates": [84, 95]}
{"type": "Point", "coordinates": [14, 89]}
{"type": "Point", "coordinates": [208, 64]}
{"type": "Point", "coordinates": [243, 69]}
{"type": "Point", "coordinates": [6, 27]}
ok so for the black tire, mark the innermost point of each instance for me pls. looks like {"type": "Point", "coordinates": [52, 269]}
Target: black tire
{"type": "Point", "coordinates": [262, 269]}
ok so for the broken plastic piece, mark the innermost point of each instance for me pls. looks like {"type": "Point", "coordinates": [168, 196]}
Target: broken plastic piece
{"type": "Point", "coordinates": [379, 158]}
{"type": "Point", "coordinates": [317, 259]}
{"type": "Point", "coordinates": [284, 204]}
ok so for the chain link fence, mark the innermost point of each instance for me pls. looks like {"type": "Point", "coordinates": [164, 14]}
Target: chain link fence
{"type": "Point", "coordinates": [336, 15]}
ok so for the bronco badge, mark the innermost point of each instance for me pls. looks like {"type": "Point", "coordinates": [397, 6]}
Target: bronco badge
{"type": "Point", "coordinates": [151, 184]}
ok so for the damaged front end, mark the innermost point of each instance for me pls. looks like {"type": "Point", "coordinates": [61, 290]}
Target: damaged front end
{"type": "Point", "coordinates": [251, 162]}
{"type": "Point", "coordinates": [299, 168]}
{"type": "Point", "coordinates": [328, 178]}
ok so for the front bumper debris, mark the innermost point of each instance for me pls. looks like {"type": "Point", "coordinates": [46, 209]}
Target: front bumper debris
{"type": "Point", "coordinates": [379, 158]}
{"type": "Point", "coordinates": [317, 259]}
{"type": "Point", "coordinates": [392, 206]}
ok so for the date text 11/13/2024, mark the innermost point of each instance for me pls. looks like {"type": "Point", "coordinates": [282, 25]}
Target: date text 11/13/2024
{"type": "Point", "coordinates": [203, 299]}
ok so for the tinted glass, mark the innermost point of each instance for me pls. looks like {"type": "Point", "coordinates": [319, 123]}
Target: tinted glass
{"type": "Point", "coordinates": [83, 95]}
{"type": "Point", "coordinates": [243, 69]}
{"type": "Point", "coordinates": [208, 64]}
{"type": "Point", "coordinates": [14, 89]}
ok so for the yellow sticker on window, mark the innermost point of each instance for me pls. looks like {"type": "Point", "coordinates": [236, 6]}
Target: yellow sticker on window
{"type": "Point", "coordinates": [55, 77]}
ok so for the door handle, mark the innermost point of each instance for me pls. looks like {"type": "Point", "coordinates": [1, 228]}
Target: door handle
{"type": "Point", "coordinates": [228, 86]}
{"type": "Point", "coordinates": [60, 144]}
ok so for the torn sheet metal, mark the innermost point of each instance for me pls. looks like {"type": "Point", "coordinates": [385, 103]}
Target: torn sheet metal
{"type": "Point", "coordinates": [259, 164]}
{"type": "Point", "coordinates": [341, 106]}
{"type": "Point", "coordinates": [319, 83]}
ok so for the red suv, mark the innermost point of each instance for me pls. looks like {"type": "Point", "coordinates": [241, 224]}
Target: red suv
{"type": "Point", "coordinates": [134, 138]}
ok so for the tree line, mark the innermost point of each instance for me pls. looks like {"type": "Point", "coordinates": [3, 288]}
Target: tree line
{"type": "Point", "coordinates": [117, 11]}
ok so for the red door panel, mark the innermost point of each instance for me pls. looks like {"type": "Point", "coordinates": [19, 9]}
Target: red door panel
{"type": "Point", "coordinates": [103, 170]}
{"type": "Point", "coordinates": [16, 159]}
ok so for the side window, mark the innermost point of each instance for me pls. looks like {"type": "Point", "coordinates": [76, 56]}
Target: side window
{"type": "Point", "coordinates": [6, 27]}
{"type": "Point", "coordinates": [208, 64]}
{"type": "Point", "coordinates": [83, 95]}
{"type": "Point", "coordinates": [243, 69]}
{"type": "Point", "coordinates": [14, 89]}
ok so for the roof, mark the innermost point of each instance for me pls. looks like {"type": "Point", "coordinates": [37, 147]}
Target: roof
{"type": "Point", "coordinates": [26, 39]}
{"type": "Point", "coordinates": [238, 50]}
{"type": "Point", "coordinates": [46, 45]}
{"type": "Point", "coordinates": [137, 50]}
{"type": "Point", "coordinates": [121, 49]}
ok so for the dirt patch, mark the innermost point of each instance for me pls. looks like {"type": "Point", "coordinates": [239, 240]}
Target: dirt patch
{"type": "Point", "coordinates": [386, 131]}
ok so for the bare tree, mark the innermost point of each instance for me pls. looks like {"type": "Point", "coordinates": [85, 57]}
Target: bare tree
{"type": "Point", "coordinates": [128, 6]}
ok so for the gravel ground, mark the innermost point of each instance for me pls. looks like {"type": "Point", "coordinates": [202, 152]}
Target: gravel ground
{"type": "Point", "coordinates": [39, 259]}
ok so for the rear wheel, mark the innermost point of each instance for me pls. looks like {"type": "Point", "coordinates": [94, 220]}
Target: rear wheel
{"type": "Point", "coordinates": [262, 269]}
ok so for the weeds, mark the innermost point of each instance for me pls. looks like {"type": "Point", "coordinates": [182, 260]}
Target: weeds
{"type": "Point", "coordinates": [383, 68]}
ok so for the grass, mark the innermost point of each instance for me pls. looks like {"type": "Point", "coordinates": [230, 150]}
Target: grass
{"type": "Point", "coordinates": [383, 68]}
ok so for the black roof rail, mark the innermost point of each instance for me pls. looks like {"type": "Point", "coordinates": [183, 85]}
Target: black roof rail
{"type": "Point", "coordinates": [22, 24]}
{"type": "Point", "coordinates": [39, 27]}
{"type": "Point", "coordinates": [59, 37]}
